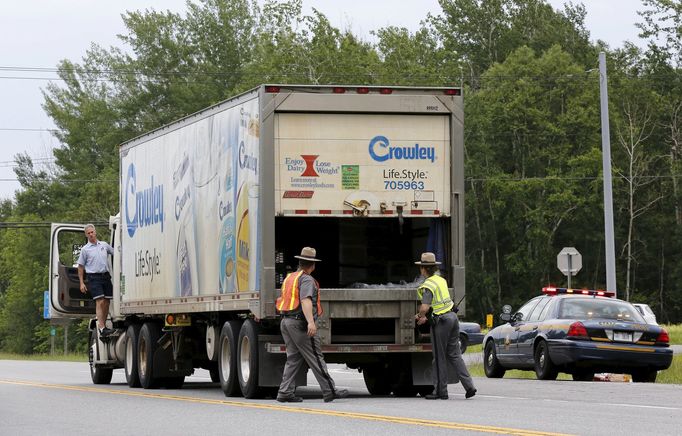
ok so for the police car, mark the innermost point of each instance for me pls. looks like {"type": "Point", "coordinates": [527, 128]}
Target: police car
{"type": "Point", "coordinates": [579, 332]}
{"type": "Point", "coordinates": [469, 334]}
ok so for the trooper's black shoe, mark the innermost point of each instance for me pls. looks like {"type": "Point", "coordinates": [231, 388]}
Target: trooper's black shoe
{"type": "Point", "coordinates": [105, 332]}
{"type": "Point", "coordinates": [470, 393]}
{"type": "Point", "coordinates": [436, 397]}
{"type": "Point", "coordinates": [338, 393]}
{"type": "Point", "coordinates": [291, 399]}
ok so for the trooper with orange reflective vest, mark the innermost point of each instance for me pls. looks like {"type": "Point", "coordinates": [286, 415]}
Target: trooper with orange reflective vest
{"type": "Point", "coordinates": [437, 304]}
{"type": "Point", "coordinates": [299, 306]}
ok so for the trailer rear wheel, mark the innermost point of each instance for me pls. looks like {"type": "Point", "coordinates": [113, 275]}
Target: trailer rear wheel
{"type": "Point", "coordinates": [99, 376]}
{"type": "Point", "coordinates": [147, 343]}
{"type": "Point", "coordinates": [248, 359]}
{"type": "Point", "coordinates": [227, 359]}
{"type": "Point", "coordinates": [377, 380]}
{"type": "Point", "coordinates": [130, 367]}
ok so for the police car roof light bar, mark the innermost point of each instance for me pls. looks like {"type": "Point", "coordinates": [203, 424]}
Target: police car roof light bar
{"type": "Point", "coordinates": [551, 290]}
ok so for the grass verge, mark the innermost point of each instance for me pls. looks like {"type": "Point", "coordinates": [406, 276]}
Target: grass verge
{"type": "Point", "coordinates": [52, 357]}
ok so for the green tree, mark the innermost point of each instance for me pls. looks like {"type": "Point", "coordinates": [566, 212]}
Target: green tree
{"type": "Point", "coordinates": [530, 146]}
{"type": "Point", "coordinates": [483, 32]}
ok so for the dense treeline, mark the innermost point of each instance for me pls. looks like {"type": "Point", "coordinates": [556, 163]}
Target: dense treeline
{"type": "Point", "coordinates": [532, 136]}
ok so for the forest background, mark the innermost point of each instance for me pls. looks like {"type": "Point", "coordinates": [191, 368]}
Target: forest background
{"type": "Point", "coordinates": [532, 135]}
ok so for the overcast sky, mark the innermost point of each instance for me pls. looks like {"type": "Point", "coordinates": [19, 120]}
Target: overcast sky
{"type": "Point", "coordinates": [39, 33]}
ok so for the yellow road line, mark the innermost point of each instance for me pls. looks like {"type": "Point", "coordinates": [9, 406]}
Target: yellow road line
{"type": "Point", "coordinates": [254, 405]}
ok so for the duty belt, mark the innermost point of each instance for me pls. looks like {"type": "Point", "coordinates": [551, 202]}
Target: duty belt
{"type": "Point", "coordinates": [297, 316]}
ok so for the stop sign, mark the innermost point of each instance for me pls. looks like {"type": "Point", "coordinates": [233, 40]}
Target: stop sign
{"type": "Point", "coordinates": [569, 261]}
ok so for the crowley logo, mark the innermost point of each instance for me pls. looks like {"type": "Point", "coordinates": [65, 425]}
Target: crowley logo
{"type": "Point", "coordinates": [143, 207]}
{"type": "Point", "coordinates": [381, 150]}
{"type": "Point", "coordinates": [309, 165]}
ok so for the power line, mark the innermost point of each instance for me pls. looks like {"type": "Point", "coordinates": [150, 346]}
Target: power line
{"type": "Point", "coordinates": [40, 224]}
{"type": "Point", "coordinates": [28, 129]}
{"type": "Point", "coordinates": [57, 180]}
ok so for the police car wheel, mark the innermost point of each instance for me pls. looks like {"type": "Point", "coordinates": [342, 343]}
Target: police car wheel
{"type": "Point", "coordinates": [463, 343]}
{"type": "Point", "coordinates": [492, 366]}
{"type": "Point", "coordinates": [544, 367]}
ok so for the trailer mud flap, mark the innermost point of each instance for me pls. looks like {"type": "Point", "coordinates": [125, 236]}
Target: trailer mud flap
{"type": "Point", "coordinates": [271, 365]}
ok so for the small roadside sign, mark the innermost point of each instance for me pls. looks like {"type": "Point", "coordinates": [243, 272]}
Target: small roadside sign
{"type": "Point", "coordinates": [569, 261]}
{"type": "Point", "coordinates": [46, 305]}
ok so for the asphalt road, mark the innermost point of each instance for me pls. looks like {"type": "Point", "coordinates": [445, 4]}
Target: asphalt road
{"type": "Point", "coordinates": [57, 398]}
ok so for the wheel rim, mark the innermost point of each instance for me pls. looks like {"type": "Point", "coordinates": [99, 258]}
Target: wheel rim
{"type": "Point", "coordinates": [142, 352]}
{"type": "Point", "coordinates": [129, 355]}
{"type": "Point", "coordinates": [245, 360]}
{"type": "Point", "coordinates": [490, 358]}
{"type": "Point", "coordinates": [542, 357]}
{"type": "Point", "coordinates": [225, 358]}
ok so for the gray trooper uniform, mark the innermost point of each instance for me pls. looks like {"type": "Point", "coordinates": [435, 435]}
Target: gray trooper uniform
{"type": "Point", "coordinates": [303, 349]}
{"type": "Point", "coordinates": [445, 343]}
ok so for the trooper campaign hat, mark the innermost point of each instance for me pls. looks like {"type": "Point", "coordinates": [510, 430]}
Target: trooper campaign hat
{"type": "Point", "coordinates": [427, 259]}
{"type": "Point", "coordinates": [308, 253]}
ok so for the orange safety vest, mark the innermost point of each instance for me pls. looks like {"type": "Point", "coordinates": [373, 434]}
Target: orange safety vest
{"type": "Point", "coordinates": [289, 301]}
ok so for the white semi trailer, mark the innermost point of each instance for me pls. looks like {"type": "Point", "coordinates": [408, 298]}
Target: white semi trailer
{"type": "Point", "coordinates": [213, 208]}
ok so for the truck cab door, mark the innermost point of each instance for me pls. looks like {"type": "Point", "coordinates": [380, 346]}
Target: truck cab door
{"type": "Point", "coordinates": [66, 299]}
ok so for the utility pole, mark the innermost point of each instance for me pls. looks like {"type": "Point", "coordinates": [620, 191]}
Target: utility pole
{"type": "Point", "coordinates": [608, 191]}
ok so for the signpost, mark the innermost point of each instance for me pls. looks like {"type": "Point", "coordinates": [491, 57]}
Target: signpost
{"type": "Point", "coordinates": [569, 261]}
{"type": "Point", "coordinates": [46, 305]}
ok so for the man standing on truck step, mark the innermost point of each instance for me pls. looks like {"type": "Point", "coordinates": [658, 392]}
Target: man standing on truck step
{"type": "Point", "coordinates": [92, 263]}
{"type": "Point", "coordinates": [438, 308]}
{"type": "Point", "coordinates": [299, 306]}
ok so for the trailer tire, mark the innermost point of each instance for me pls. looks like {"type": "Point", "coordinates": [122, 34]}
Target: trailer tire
{"type": "Point", "coordinates": [130, 364]}
{"type": "Point", "coordinates": [227, 359]}
{"type": "Point", "coordinates": [247, 351]}
{"type": "Point", "coordinates": [377, 380]}
{"type": "Point", "coordinates": [99, 376]}
{"type": "Point", "coordinates": [147, 343]}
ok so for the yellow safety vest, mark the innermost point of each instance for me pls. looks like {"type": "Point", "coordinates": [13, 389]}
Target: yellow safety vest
{"type": "Point", "coordinates": [441, 303]}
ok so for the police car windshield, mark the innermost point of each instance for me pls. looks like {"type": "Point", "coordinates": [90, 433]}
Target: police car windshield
{"type": "Point", "coordinates": [589, 308]}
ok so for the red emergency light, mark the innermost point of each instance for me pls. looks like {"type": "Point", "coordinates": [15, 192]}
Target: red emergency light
{"type": "Point", "coordinates": [551, 290]}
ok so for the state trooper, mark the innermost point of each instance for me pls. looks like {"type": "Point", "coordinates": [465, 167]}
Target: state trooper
{"type": "Point", "coordinates": [438, 308]}
{"type": "Point", "coordinates": [299, 306]}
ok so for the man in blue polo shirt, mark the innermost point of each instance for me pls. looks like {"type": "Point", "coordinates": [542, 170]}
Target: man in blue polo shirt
{"type": "Point", "coordinates": [92, 263]}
